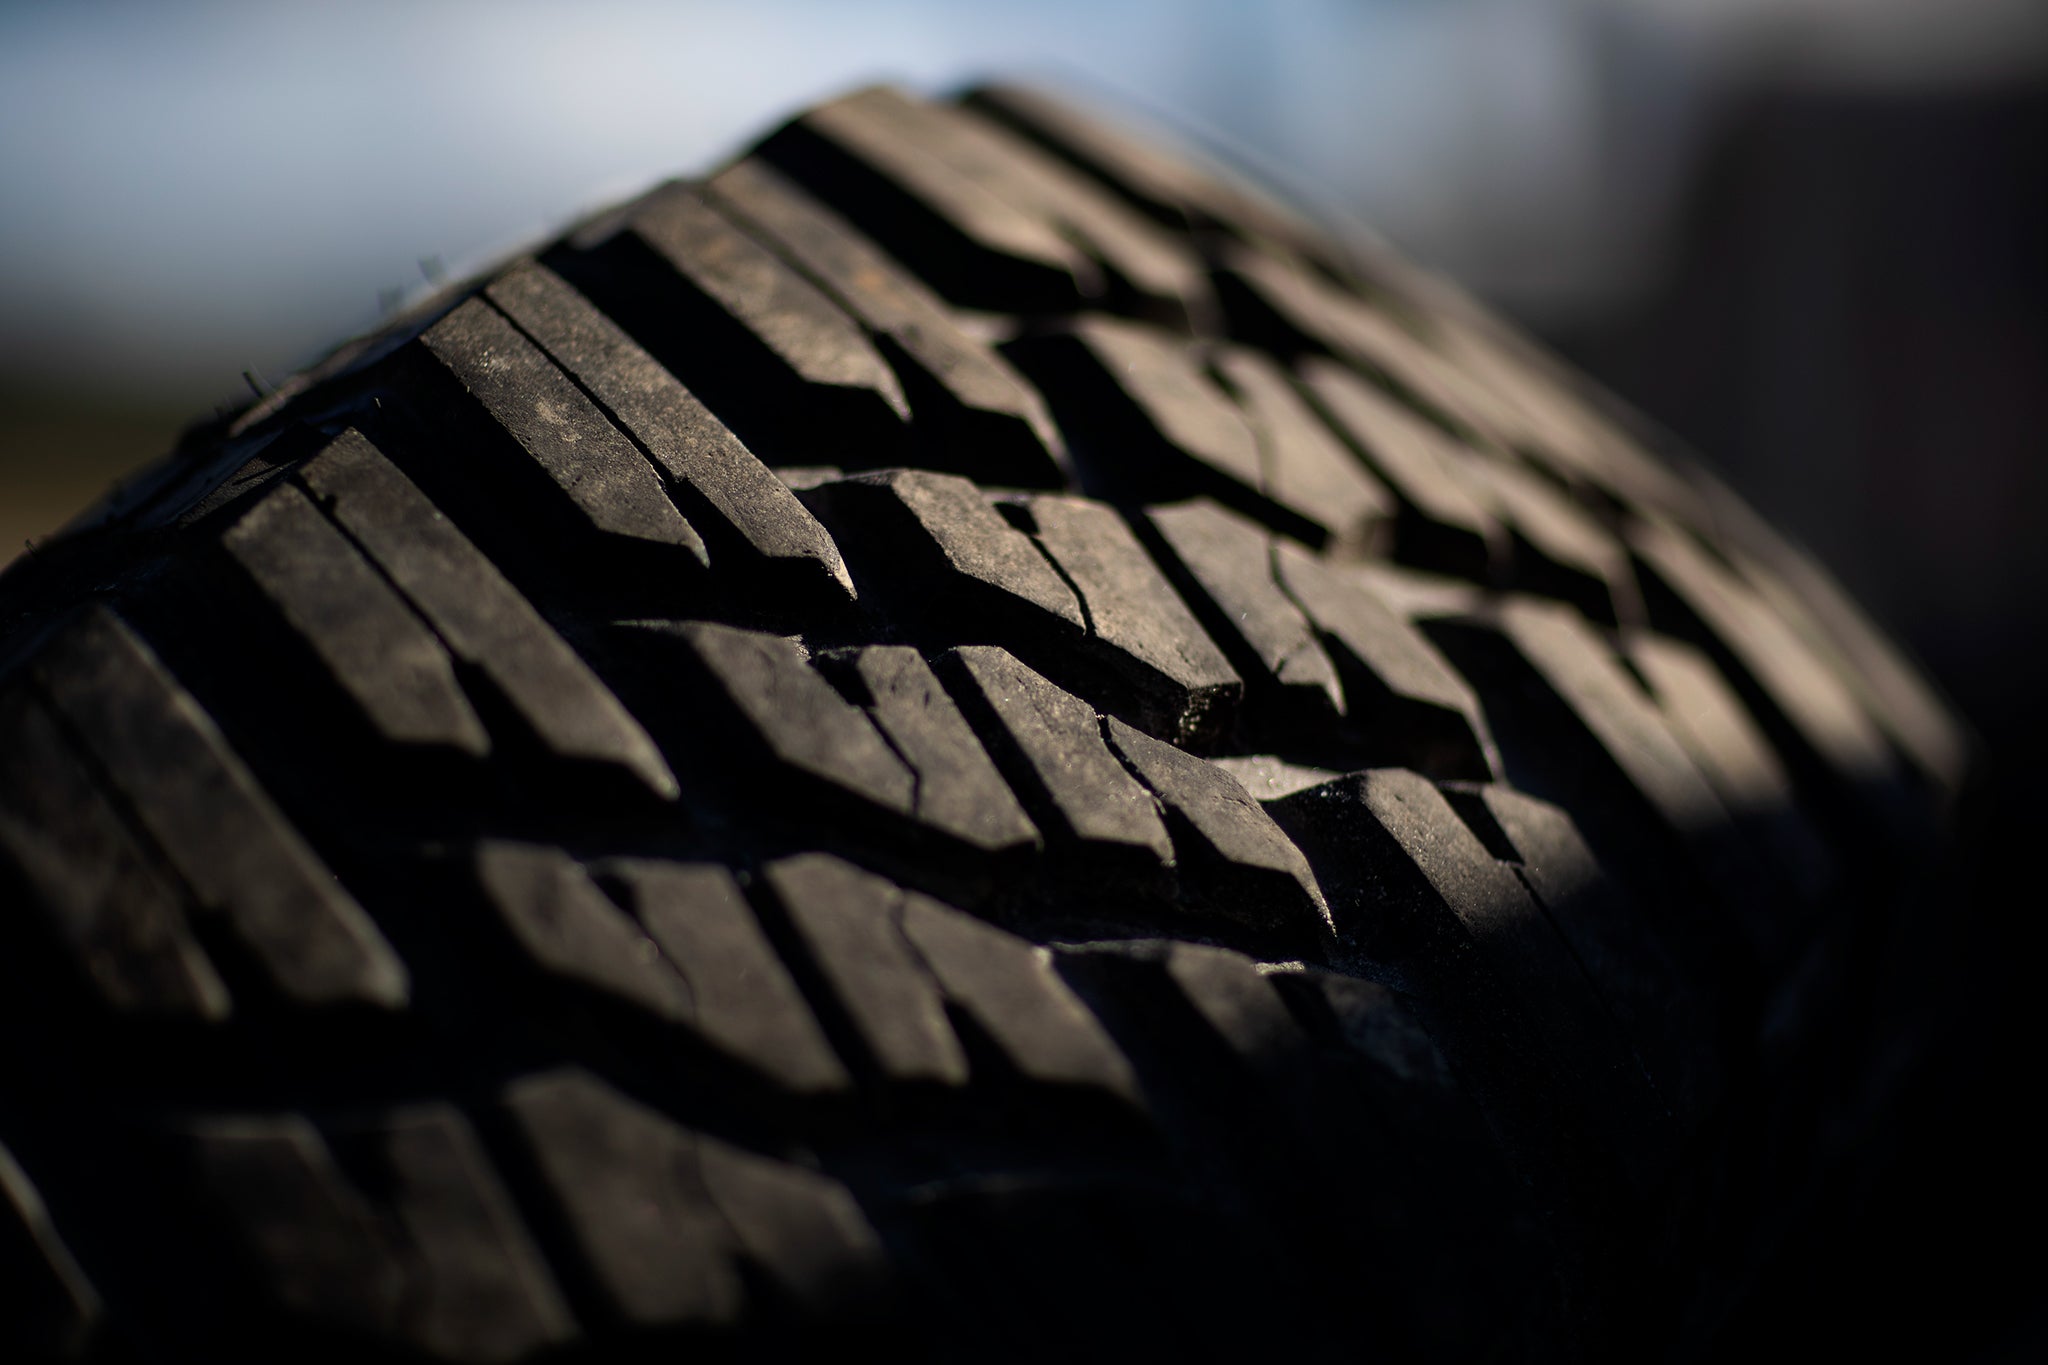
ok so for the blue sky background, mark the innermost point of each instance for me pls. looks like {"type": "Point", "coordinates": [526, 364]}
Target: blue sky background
{"type": "Point", "coordinates": [187, 190]}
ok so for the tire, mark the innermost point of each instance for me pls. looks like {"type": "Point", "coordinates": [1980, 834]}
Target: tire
{"type": "Point", "coordinates": [964, 737]}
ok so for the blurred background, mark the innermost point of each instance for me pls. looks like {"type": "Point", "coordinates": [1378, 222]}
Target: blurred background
{"type": "Point", "coordinates": [1809, 236]}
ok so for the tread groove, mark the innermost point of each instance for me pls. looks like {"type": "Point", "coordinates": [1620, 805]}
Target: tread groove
{"type": "Point", "coordinates": [964, 736]}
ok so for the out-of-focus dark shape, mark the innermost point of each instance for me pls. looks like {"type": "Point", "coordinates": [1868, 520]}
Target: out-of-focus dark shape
{"type": "Point", "coordinates": [1853, 320]}
{"type": "Point", "coordinates": [59, 449]}
{"type": "Point", "coordinates": [1854, 325]}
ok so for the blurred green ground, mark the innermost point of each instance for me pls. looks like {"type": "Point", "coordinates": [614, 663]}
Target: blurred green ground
{"type": "Point", "coordinates": [60, 451]}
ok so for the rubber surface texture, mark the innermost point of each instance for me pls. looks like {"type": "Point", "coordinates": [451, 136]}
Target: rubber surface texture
{"type": "Point", "coordinates": [962, 737]}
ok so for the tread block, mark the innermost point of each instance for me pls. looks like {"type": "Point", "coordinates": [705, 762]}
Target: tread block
{"type": "Point", "coordinates": [601, 472]}
{"type": "Point", "coordinates": [1178, 189]}
{"type": "Point", "coordinates": [970, 405]}
{"type": "Point", "coordinates": [1223, 836]}
{"type": "Point", "coordinates": [1398, 687]}
{"type": "Point", "coordinates": [1268, 778]}
{"type": "Point", "coordinates": [1077, 595]}
{"type": "Point", "coordinates": [1386, 1105]}
{"type": "Point", "coordinates": [1802, 703]}
{"type": "Point", "coordinates": [1228, 991]}
{"type": "Point", "coordinates": [1230, 562]}
{"type": "Point", "coordinates": [693, 448]}
{"type": "Point", "coordinates": [1530, 400]}
{"type": "Point", "coordinates": [849, 922]}
{"type": "Point", "coordinates": [568, 927]}
{"type": "Point", "coordinates": [798, 478]}
{"type": "Point", "coordinates": [992, 217]}
{"type": "Point", "coordinates": [742, 998]}
{"type": "Point", "coordinates": [1456, 509]}
{"type": "Point", "coordinates": [318, 1245]}
{"type": "Point", "coordinates": [1465, 1227]}
{"type": "Point", "coordinates": [1151, 411]}
{"type": "Point", "coordinates": [45, 1299]}
{"type": "Point", "coordinates": [1166, 419]}
{"type": "Point", "coordinates": [1418, 597]}
{"type": "Point", "coordinates": [1306, 469]}
{"type": "Point", "coordinates": [780, 363]}
{"type": "Point", "coordinates": [479, 616]}
{"type": "Point", "coordinates": [1280, 301]}
{"type": "Point", "coordinates": [1009, 986]}
{"type": "Point", "coordinates": [1427, 865]}
{"type": "Point", "coordinates": [1615, 709]}
{"type": "Point", "coordinates": [1326, 1134]}
{"type": "Point", "coordinates": [626, 1179]}
{"type": "Point", "coordinates": [1901, 700]}
{"type": "Point", "coordinates": [1417, 367]}
{"type": "Point", "coordinates": [1560, 549]}
{"type": "Point", "coordinates": [979, 249]}
{"type": "Point", "coordinates": [1181, 686]}
{"type": "Point", "coordinates": [1161, 272]}
{"type": "Point", "coordinates": [1338, 1154]}
{"type": "Point", "coordinates": [798, 716]}
{"type": "Point", "coordinates": [1374, 1025]}
{"type": "Point", "coordinates": [1656, 1006]}
{"type": "Point", "coordinates": [216, 827]}
{"type": "Point", "coordinates": [1243, 1006]}
{"type": "Point", "coordinates": [1413, 887]}
{"type": "Point", "coordinates": [383, 656]}
{"type": "Point", "coordinates": [935, 536]}
{"type": "Point", "coordinates": [1706, 717]}
{"type": "Point", "coordinates": [482, 1291]}
{"type": "Point", "coordinates": [1272, 299]}
{"type": "Point", "coordinates": [957, 788]}
{"type": "Point", "coordinates": [1578, 729]}
{"type": "Point", "coordinates": [802, 1228]}
{"type": "Point", "coordinates": [1048, 742]}
{"type": "Point", "coordinates": [91, 877]}
{"type": "Point", "coordinates": [816, 340]}
{"type": "Point", "coordinates": [1446, 522]}
{"type": "Point", "coordinates": [1815, 606]}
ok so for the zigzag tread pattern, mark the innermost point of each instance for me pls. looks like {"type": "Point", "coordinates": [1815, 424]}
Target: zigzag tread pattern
{"type": "Point", "coordinates": [956, 727]}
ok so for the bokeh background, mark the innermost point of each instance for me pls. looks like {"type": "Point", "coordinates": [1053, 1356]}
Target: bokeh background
{"type": "Point", "coordinates": [1809, 236]}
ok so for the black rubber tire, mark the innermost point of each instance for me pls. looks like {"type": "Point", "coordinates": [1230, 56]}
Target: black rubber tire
{"type": "Point", "coordinates": [963, 737]}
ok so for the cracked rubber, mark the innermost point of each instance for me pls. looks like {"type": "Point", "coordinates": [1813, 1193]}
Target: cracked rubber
{"type": "Point", "coordinates": [965, 738]}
